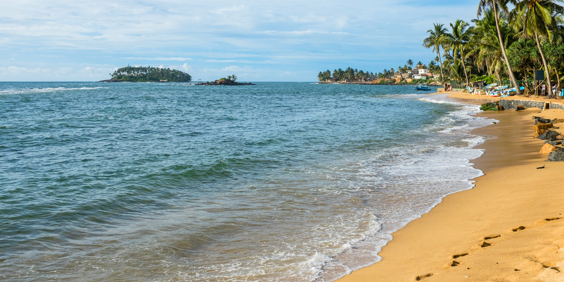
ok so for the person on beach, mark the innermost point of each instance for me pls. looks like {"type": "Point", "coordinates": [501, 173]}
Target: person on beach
{"type": "Point", "coordinates": [543, 90]}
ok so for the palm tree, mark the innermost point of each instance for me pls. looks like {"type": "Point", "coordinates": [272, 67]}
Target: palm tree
{"type": "Point", "coordinates": [536, 18]}
{"type": "Point", "coordinates": [436, 39]}
{"type": "Point", "coordinates": [486, 41]}
{"type": "Point", "coordinates": [457, 41]}
{"type": "Point", "coordinates": [410, 63]}
{"type": "Point", "coordinates": [502, 6]}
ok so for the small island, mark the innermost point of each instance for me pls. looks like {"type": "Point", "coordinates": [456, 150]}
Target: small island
{"type": "Point", "coordinates": [231, 80]}
{"type": "Point", "coordinates": [148, 74]}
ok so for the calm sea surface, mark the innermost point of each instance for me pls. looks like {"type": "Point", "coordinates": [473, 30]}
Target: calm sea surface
{"type": "Point", "coordinates": [273, 182]}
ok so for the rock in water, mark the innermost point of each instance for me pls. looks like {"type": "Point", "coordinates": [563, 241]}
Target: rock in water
{"type": "Point", "coordinates": [547, 149]}
{"type": "Point", "coordinates": [556, 156]}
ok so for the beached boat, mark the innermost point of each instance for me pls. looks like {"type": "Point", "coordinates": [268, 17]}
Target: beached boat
{"type": "Point", "coordinates": [422, 87]}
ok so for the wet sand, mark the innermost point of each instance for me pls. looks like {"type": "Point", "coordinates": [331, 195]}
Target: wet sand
{"type": "Point", "coordinates": [509, 227]}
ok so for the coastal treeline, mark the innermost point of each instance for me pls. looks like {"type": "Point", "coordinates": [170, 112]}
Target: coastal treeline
{"type": "Point", "coordinates": [150, 74]}
{"type": "Point", "coordinates": [508, 40]}
{"type": "Point", "coordinates": [350, 75]}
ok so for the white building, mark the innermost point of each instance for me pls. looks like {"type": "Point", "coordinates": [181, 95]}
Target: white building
{"type": "Point", "coordinates": [421, 73]}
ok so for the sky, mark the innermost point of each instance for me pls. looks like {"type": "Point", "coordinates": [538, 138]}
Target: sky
{"type": "Point", "coordinates": [291, 40]}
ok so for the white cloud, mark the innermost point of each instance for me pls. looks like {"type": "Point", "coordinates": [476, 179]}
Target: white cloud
{"type": "Point", "coordinates": [268, 36]}
{"type": "Point", "coordinates": [159, 59]}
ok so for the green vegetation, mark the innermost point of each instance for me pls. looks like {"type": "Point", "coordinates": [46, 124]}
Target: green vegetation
{"type": "Point", "coordinates": [489, 107]}
{"type": "Point", "coordinates": [348, 75]}
{"type": "Point", "coordinates": [385, 77]}
{"type": "Point", "coordinates": [231, 78]}
{"type": "Point", "coordinates": [503, 44]}
{"type": "Point", "coordinates": [150, 74]}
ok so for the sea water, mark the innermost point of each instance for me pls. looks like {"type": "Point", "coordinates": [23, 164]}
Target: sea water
{"type": "Point", "coordinates": [172, 181]}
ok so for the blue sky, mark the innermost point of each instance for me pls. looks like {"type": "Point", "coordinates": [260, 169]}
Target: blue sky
{"type": "Point", "coordinates": [63, 40]}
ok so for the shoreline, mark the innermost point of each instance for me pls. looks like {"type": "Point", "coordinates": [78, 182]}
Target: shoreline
{"type": "Point", "coordinates": [459, 239]}
{"type": "Point", "coordinates": [371, 83]}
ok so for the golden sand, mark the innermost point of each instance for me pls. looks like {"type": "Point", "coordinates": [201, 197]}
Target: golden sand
{"type": "Point", "coordinates": [510, 227]}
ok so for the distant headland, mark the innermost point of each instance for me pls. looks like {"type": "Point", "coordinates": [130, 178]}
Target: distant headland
{"type": "Point", "coordinates": [148, 74]}
{"type": "Point", "coordinates": [231, 80]}
{"type": "Point", "coordinates": [402, 76]}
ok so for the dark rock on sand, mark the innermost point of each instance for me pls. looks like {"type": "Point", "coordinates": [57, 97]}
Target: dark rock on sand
{"type": "Point", "coordinates": [556, 156]}
{"type": "Point", "coordinates": [549, 135]}
{"type": "Point", "coordinates": [542, 120]}
{"type": "Point", "coordinates": [520, 108]}
{"type": "Point", "coordinates": [553, 143]}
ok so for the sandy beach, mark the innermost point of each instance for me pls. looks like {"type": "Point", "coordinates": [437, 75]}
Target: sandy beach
{"type": "Point", "coordinates": [508, 228]}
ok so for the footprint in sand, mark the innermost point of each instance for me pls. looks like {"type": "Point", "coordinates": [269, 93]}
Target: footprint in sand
{"type": "Point", "coordinates": [551, 267]}
{"type": "Point", "coordinates": [492, 237]}
{"type": "Point", "coordinates": [552, 219]}
{"type": "Point", "coordinates": [420, 277]}
{"type": "Point", "coordinates": [519, 228]}
{"type": "Point", "coordinates": [459, 255]}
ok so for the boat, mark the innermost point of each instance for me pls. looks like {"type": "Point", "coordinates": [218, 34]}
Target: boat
{"type": "Point", "coordinates": [422, 87]}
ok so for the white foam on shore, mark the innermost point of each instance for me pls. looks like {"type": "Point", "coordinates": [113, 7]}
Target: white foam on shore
{"type": "Point", "coordinates": [408, 182]}
{"type": "Point", "coordinates": [43, 90]}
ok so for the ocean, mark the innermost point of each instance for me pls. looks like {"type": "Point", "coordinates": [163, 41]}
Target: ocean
{"type": "Point", "coordinates": [177, 182]}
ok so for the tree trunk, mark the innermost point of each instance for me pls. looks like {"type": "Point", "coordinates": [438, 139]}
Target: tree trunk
{"type": "Point", "coordinates": [558, 84]}
{"type": "Point", "coordinates": [526, 85]}
{"type": "Point", "coordinates": [546, 70]}
{"type": "Point", "coordinates": [509, 70]}
{"type": "Point", "coordinates": [441, 64]}
{"type": "Point", "coordinates": [464, 66]}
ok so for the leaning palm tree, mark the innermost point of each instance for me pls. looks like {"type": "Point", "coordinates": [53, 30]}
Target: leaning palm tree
{"type": "Point", "coordinates": [487, 50]}
{"type": "Point", "coordinates": [457, 41]}
{"type": "Point", "coordinates": [497, 6]}
{"type": "Point", "coordinates": [410, 63]}
{"type": "Point", "coordinates": [435, 40]}
{"type": "Point", "coordinates": [536, 18]}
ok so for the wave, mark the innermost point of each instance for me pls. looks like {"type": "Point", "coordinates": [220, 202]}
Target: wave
{"type": "Point", "coordinates": [406, 182]}
{"type": "Point", "coordinates": [44, 90]}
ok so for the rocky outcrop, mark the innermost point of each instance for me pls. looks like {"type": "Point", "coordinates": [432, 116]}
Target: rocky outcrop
{"type": "Point", "coordinates": [553, 143]}
{"type": "Point", "coordinates": [549, 135]}
{"type": "Point", "coordinates": [547, 149]}
{"type": "Point", "coordinates": [542, 120]}
{"type": "Point", "coordinates": [541, 128]}
{"type": "Point", "coordinates": [556, 156]}
{"type": "Point", "coordinates": [225, 82]}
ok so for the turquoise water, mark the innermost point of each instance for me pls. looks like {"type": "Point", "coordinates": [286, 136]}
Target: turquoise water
{"type": "Point", "coordinates": [273, 182]}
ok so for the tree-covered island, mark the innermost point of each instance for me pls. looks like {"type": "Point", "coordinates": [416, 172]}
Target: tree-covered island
{"type": "Point", "coordinates": [230, 80]}
{"type": "Point", "coordinates": [148, 74]}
